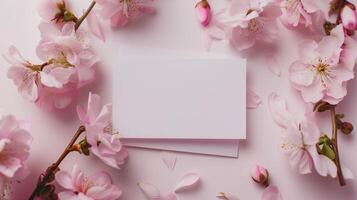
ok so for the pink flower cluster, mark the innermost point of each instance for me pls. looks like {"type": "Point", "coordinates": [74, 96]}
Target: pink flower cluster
{"type": "Point", "coordinates": [299, 140]}
{"type": "Point", "coordinates": [15, 142]}
{"type": "Point", "coordinates": [323, 68]}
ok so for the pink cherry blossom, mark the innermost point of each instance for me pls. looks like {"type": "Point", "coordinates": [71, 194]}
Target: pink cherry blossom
{"type": "Point", "coordinates": [57, 11]}
{"type": "Point", "coordinates": [296, 12]}
{"type": "Point", "coordinates": [97, 119]}
{"type": "Point", "coordinates": [120, 13]}
{"type": "Point", "coordinates": [323, 68]}
{"type": "Point", "coordinates": [98, 186]}
{"type": "Point", "coordinates": [260, 175]}
{"type": "Point", "coordinates": [15, 142]}
{"type": "Point", "coordinates": [249, 21]}
{"type": "Point", "coordinates": [70, 48]}
{"type": "Point", "coordinates": [349, 18]}
{"type": "Point", "coordinates": [46, 85]}
{"type": "Point", "coordinates": [299, 139]}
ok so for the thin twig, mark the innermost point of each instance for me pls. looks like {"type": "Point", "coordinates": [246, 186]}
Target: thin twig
{"type": "Point", "coordinates": [54, 167]}
{"type": "Point", "coordinates": [85, 14]}
{"type": "Point", "coordinates": [335, 147]}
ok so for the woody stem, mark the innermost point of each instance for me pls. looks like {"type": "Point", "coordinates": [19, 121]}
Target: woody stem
{"type": "Point", "coordinates": [85, 14]}
{"type": "Point", "coordinates": [335, 147]}
{"type": "Point", "coordinates": [51, 170]}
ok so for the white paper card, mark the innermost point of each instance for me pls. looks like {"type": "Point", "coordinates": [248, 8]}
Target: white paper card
{"type": "Point", "coordinates": [177, 98]}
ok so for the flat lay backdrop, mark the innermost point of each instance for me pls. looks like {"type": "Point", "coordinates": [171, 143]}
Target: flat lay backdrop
{"type": "Point", "coordinates": [173, 26]}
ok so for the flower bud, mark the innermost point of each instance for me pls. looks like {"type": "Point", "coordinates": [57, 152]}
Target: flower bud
{"type": "Point", "coordinates": [348, 17]}
{"type": "Point", "coordinates": [346, 128]}
{"type": "Point", "coordinates": [203, 12]}
{"type": "Point", "coordinates": [260, 175]}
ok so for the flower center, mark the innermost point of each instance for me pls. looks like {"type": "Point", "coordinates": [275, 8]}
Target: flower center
{"type": "Point", "coordinates": [255, 26]}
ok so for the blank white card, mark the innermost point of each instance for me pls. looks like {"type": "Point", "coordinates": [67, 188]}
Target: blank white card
{"type": "Point", "coordinates": [180, 98]}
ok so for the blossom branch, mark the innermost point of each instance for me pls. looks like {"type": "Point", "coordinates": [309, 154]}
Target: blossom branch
{"type": "Point", "coordinates": [48, 176]}
{"type": "Point", "coordinates": [335, 147]}
{"type": "Point", "coordinates": [86, 13]}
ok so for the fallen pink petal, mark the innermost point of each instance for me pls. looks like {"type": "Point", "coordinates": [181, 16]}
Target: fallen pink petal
{"type": "Point", "coordinates": [187, 182]}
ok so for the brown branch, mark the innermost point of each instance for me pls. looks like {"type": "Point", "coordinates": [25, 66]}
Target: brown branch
{"type": "Point", "coordinates": [85, 14]}
{"type": "Point", "coordinates": [47, 177]}
{"type": "Point", "coordinates": [335, 147]}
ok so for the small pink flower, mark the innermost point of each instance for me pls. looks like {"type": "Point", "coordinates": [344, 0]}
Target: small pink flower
{"type": "Point", "coordinates": [249, 21]}
{"type": "Point", "coordinates": [203, 11]}
{"type": "Point", "coordinates": [323, 68]}
{"type": "Point", "coordinates": [260, 175]}
{"type": "Point", "coordinates": [57, 11]}
{"type": "Point", "coordinates": [296, 12]}
{"type": "Point", "coordinates": [99, 186]}
{"type": "Point", "coordinates": [120, 13]}
{"type": "Point", "coordinates": [98, 122]}
{"type": "Point", "coordinates": [349, 18]}
{"type": "Point", "coordinates": [15, 142]}
{"type": "Point", "coordinates": [70, 48]}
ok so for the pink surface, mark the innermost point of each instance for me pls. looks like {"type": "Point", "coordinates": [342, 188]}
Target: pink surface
{"type": "Point", "coordinates": [174, 26]}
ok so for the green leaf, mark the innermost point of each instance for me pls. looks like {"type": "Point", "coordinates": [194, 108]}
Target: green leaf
{"type": "Point", "coordinates": [328, 152]}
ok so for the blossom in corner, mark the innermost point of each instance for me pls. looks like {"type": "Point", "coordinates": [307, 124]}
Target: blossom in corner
{"type": "Point", "coordinates": [248, 22]}
{"type": "Point", "coordinates": [105, 144]}
{"type": "Point", "coordinates": [15, 140]}
{"type": "Point", "coordinates": [298, 12]}
{"type": "Point", "coordinates": [122, 12]}
{"type": "Point", "coordinates": [98, 186]}
{"type": "Point", "coordinates": [299, 140]}
{"type": "Point", "coordinates": [323, 69]}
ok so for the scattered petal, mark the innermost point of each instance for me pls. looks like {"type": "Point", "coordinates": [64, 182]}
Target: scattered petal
{"type": "Point", "coordinates": [279, 111]}
{"type": "Point", "coordinates": [169, 159]}
{"type": "Point", "coordinates": [94, 26]}
{"type": "Point", "coordinates": [271, 193]}
{"type": "Point", "coordinates": [253, 100]}
{"type": "Point", "coordinates": [273, 64]}
{"type": "Point", "coordinates": [187, 182]}
{"type": "Point", "coordinates": [227, 196]}
{"type": "Point", "coordinates": [150, 190]}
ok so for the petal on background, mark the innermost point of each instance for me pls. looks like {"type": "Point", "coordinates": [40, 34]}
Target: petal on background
{"type": "Point", "coordinates": [271, 193]}
{"type": "Point", "coordinates": [187, 182]}
{"type": "Point", "coordinates": [169, 159]}
{"type": "Point", "coordinates": [273, 64]}
{"type": "Point", "coordinates": [227, 196]}
{"type": "Point", "coordinates": [150, 190]}
{"type": "Point", "coordinates": [253, 100]}
{"type": "Point", "coordinates": [94, 26]}
{"type": "Point", "coordinates": [279, 111]}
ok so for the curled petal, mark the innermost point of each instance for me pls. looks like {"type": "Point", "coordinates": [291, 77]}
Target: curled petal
{"type": "Point", "coordinates": [169, 159]}
{"type": "Point", "coordinates": [253, 100]}
{"type": "Point", "coordinates": [187, 182]}
{"type": "Point", "coordinates": [150, 190]}
{"type": "Point", "coordinates": [271, 193]}
{"type": "Point", "coordinates": [279, 111]}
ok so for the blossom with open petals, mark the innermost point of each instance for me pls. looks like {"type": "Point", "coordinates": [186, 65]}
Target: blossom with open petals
{"type": "Point", "coordinates": [299, 140]}
{"type": "Point", "coordinates": [98, 186]}
{"type": "Point", "coordinates": [323, 68]}
{"type": "Point", "coordinates": [57, 11]}
{"type": "Point", "coordinates": [247, 22]}
{"type": "Point", "coordinates": [15, 142]}
{"type": "Point", "coordinates": [296, 12]}
{"type": "Point", "coordinates": [105, 144]}
{"type": "Point", "coordinates": [120, 13]}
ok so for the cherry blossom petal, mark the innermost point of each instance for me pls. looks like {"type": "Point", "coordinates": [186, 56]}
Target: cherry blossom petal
{"type": "Point", "coordinates": [227, 196]}
{"type": "Point", "coordinates": [64, 179]}
{"type": "Point", "coordinates": [150, 190]}
{"type": "Point", "coordinates": [278, 110]}
{"type": "Point", "coordinates": [271, 193]}
{"type": "Point", "coordinates": [253, 100]}
{"type": "Point", "coordinates": [169, 159]}
{"type": "Point", "coordinates": [273, 64]}
{"type": "Point", "coordinates": [323, 165]}
{"type": "Point", "coordinates": [95, 26]}
{"type": "Point", "coordinates": [187, 182]}
{"type": "Point", "coordinates": [300, 74]}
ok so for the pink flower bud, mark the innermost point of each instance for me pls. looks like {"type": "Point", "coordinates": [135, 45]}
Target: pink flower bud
{"type": "Point", "coordinates": [348, 17]}
{"type": "Point", "coordinates": [203, 11]}
{"type": "Point", "coordinates": [260, 175]}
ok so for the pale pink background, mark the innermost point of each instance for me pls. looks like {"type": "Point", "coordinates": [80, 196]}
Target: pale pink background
{"type": "Point", "coordinates": [174, 27]}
